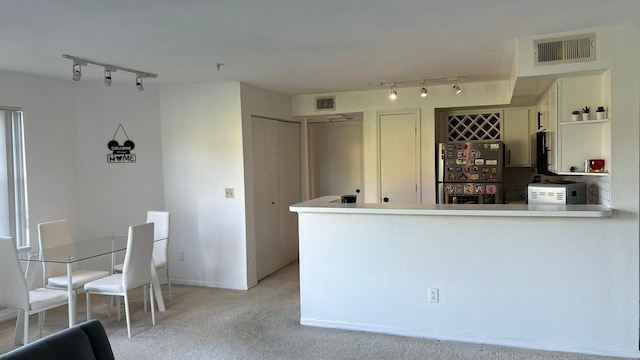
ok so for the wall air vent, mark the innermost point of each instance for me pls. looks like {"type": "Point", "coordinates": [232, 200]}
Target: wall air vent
{"type": "Point", "coordinates": [326, 103]}
{"type": "Point", "coordinates": [562, 50]}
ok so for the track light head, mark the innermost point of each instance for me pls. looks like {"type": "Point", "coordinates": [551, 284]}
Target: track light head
{"type": "Point", "coordinates": [394, 93]}
{"type": "Point", "coordinates": [456, 89]}
{"type": "Point", "coordinates": [423, 91]}
{"type": "Point", "coordinates": [77, 71]}
{"type": "Point", "coordinates": [139, 82]}
{"type": "Point", "coordinates": [107, 77]}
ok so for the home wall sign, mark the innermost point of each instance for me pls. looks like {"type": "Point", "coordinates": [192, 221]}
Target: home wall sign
{"type": "Point", "coordinates": [121, 153]}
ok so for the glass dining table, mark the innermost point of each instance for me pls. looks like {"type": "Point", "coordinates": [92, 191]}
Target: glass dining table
{"type": "Point", "coordinates": [70, 254]}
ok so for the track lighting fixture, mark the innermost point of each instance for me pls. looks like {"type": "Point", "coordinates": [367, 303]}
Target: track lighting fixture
{"type": "Point", "coordinates": [77, 71]}
{"type": "Point", "coordinates": [394, 92]}
{"type": "Point", "coordinates": [139, 83]}
{"type": "Point", "coordinates": [423, 91]}
{"type": "Point", "coordinates": [108, 69]}
{"type": "Point", "coordinates": [422, 83]}
{"type": "Point", "coordinates": [107, 77]}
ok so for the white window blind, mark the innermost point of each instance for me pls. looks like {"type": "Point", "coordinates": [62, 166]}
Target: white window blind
{"type": "Point", "coordinates": [13, 179]}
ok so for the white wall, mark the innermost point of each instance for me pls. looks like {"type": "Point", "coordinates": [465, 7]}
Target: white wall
{"type": "Point", "coordinates": [50, 144]}
{"type": "Point", "coordinates": [113, 196]}
{"type": "Point", "coordinates": [202, 155]}
{"type": "Point", "coordinates": [618, 49]}
{"type": "Point", "coordinates": [67, 126]}
{"type": "Point", "coordinates": [561, 284]}
{"type": "Point", "coordinates": [372, 101]}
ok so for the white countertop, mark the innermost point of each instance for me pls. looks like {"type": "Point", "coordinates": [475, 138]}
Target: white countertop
{"type": "Point", "coordinates": [332, 204]}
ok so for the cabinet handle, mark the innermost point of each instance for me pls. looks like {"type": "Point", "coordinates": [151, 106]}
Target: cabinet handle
{"type": "Point", "coordinates": [386, 199]}
{"type": "Point", "coordinates": [357, 191]}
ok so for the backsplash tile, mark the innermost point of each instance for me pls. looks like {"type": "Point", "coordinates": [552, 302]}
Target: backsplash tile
{"type": "Point", "coordinates": [599, 189]}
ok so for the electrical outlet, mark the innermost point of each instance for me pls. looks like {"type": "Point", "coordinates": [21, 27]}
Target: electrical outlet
{"type": "Point", "coordinates": [180, 254]}
{"type": "Point", "coordinates": [228, 193]}
{"type": "Point", "coordinates": [433, 295]}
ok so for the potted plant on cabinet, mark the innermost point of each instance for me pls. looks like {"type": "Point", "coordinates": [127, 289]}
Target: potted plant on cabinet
{"type": "Point", "coordinates": [575, 115]}
{"type": "Point", "coordinates": [600, 113]}
{"type": "Point", "coordinates": [586, 113]}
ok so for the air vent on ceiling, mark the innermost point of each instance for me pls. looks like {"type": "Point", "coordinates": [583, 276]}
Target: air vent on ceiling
{"type": "Point", "coordinates": [566, 49]}
{"type": "Point", "coordinates": [326, 103]}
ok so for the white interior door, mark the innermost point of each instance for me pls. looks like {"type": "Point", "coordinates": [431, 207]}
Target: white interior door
{"type": "Point", "coordinates": [266, 196]}
{"type": "Point", "coordinates": [399, 156]}
{"type": "Point", "coordinates": [335, 158]}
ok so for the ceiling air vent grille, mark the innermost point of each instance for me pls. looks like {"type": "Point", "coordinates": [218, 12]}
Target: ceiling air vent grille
{"type": "Point", "coordinates": [567, 49]}
{"type": "Point", "coordinates": [326, 103]}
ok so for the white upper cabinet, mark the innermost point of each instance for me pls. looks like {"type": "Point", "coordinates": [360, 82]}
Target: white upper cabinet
{"type": "Point", "coordinates": [516, 136]}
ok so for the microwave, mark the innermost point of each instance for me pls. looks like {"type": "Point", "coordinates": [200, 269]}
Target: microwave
{"type": "Point", "coordinates": [564, 193]}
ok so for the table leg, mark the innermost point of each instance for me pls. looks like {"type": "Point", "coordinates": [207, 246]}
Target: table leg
{"type": "Point", "coordinates": [156, 287]}
{"type": "Point", "coordinates": [72, 298]}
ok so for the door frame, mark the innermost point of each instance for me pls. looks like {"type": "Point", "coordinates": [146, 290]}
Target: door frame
{"type": "Point", "coordinates": [418, 152]}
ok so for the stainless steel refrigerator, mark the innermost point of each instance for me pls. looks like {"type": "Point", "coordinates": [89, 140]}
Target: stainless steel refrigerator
{"type": "Point", "coordinates": [470, 172]}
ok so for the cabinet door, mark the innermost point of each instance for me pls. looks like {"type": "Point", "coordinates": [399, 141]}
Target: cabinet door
{"type": "Point", "coordinates": [516, 137]}
{"type": "Point", "coordinates": [552, 139]}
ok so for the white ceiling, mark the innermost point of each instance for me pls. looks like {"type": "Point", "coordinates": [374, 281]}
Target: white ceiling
{"type": "Point", "coordinates": [288, 46]}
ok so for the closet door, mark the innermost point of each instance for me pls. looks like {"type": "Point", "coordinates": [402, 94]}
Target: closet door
{"type": "Point", "coordinates": [399, 157]}
{"type": "Point", "coordinates": [289, 170]}
{"type": "Point", "coordinates": [276, 179]}
{"type": "Point", "coordinates": [266, 192]}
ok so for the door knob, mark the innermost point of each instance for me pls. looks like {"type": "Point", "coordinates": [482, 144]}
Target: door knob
{"type": "Point", "coordinates": [386, 199]}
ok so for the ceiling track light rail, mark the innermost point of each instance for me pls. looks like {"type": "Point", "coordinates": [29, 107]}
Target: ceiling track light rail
{"type": "Point", "coordinates": [423, 85]}
{"type": "Point", "coordinates": [78, 63]}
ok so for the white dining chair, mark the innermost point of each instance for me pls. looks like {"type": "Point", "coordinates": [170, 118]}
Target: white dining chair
{"type": "Point", "coordinates": [161, 219]}
{"type": "Point", "coordinates": [136, 272]}
{"type": "Point", "coordinates": [15, 294]}
{"type": "Point", "coordinates": [56, 233]}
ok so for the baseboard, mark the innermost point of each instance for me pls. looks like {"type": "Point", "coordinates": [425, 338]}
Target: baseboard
{"type": "Point", "coordinates": [569, 348]}
{"type": "Point", "coordinates": [7, 314]}
{"type": "Point", "coordinates": [210, 284]}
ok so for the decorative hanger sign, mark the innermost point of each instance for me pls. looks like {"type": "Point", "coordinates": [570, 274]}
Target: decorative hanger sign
{"type": "Point", "coordinates": [121, 153]}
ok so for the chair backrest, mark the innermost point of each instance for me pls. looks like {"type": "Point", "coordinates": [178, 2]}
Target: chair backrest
{"type": "Point", "coordinates": [13, 287]}
{"type": "Point", "coordinates": [136, 270]}
{"type": "Point", "coordinates": [161, 231]}
{"type": "Point", "coordinates": [51, 234]}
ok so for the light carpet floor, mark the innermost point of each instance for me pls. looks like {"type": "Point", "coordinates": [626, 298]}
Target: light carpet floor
{"type": "Point", "coordinates": [261, 323]}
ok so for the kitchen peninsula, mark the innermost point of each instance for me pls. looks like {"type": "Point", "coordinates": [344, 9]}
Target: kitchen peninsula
{"type": "Point", "coordinates": [488, 274]}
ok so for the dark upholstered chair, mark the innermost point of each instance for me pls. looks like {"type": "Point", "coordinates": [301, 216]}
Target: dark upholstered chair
{"type": "Point", "coordinates": [87, 340]}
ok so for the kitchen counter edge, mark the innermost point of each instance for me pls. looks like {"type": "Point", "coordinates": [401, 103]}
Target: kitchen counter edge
{"type": "Point", "coordinates": [332, 204]}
